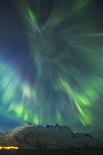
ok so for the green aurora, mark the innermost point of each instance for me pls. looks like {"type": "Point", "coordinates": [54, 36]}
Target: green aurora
{"type": "Point", "coordinates": [67, 61]}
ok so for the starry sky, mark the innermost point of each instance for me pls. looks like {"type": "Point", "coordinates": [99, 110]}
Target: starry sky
{"type": "Point", "coordinates": [51, 63]}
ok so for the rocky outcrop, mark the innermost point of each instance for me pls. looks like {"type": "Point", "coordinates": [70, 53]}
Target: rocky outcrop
{"type": "Point", "coordinates": [48, 137]}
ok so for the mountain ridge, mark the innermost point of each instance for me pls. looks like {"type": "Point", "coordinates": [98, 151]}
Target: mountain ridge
{"type": "Point", "coordinates": [28, 136]}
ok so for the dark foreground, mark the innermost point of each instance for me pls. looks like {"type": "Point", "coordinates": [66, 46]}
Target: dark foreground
{"type": "Point", "coordinates": [59, 152]}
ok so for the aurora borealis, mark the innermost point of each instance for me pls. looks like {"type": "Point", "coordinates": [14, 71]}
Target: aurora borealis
{"type": "Point", "coordinates": [62, 81]}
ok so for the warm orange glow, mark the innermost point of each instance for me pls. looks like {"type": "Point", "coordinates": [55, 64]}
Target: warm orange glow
{"type": "Point", "coordinates": [8, 148]}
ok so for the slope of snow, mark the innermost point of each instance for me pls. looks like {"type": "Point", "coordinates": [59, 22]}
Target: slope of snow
{"type": "Point", "coordinates": [49, 137]}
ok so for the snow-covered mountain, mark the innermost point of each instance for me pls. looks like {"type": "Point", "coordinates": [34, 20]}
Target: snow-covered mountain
{"type": "Point", "coordinates": [48, 137]}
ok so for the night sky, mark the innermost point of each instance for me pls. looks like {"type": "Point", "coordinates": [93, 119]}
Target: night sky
{"type": "Point", "coordinates": [51, 63]}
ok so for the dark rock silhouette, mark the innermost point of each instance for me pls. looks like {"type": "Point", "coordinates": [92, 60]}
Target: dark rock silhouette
{"type": "Point", "coordinates": [48, 137]}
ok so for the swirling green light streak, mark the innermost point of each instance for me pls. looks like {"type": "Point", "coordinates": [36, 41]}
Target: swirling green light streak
{"type": "Point", "coordinates": [66, 77]}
